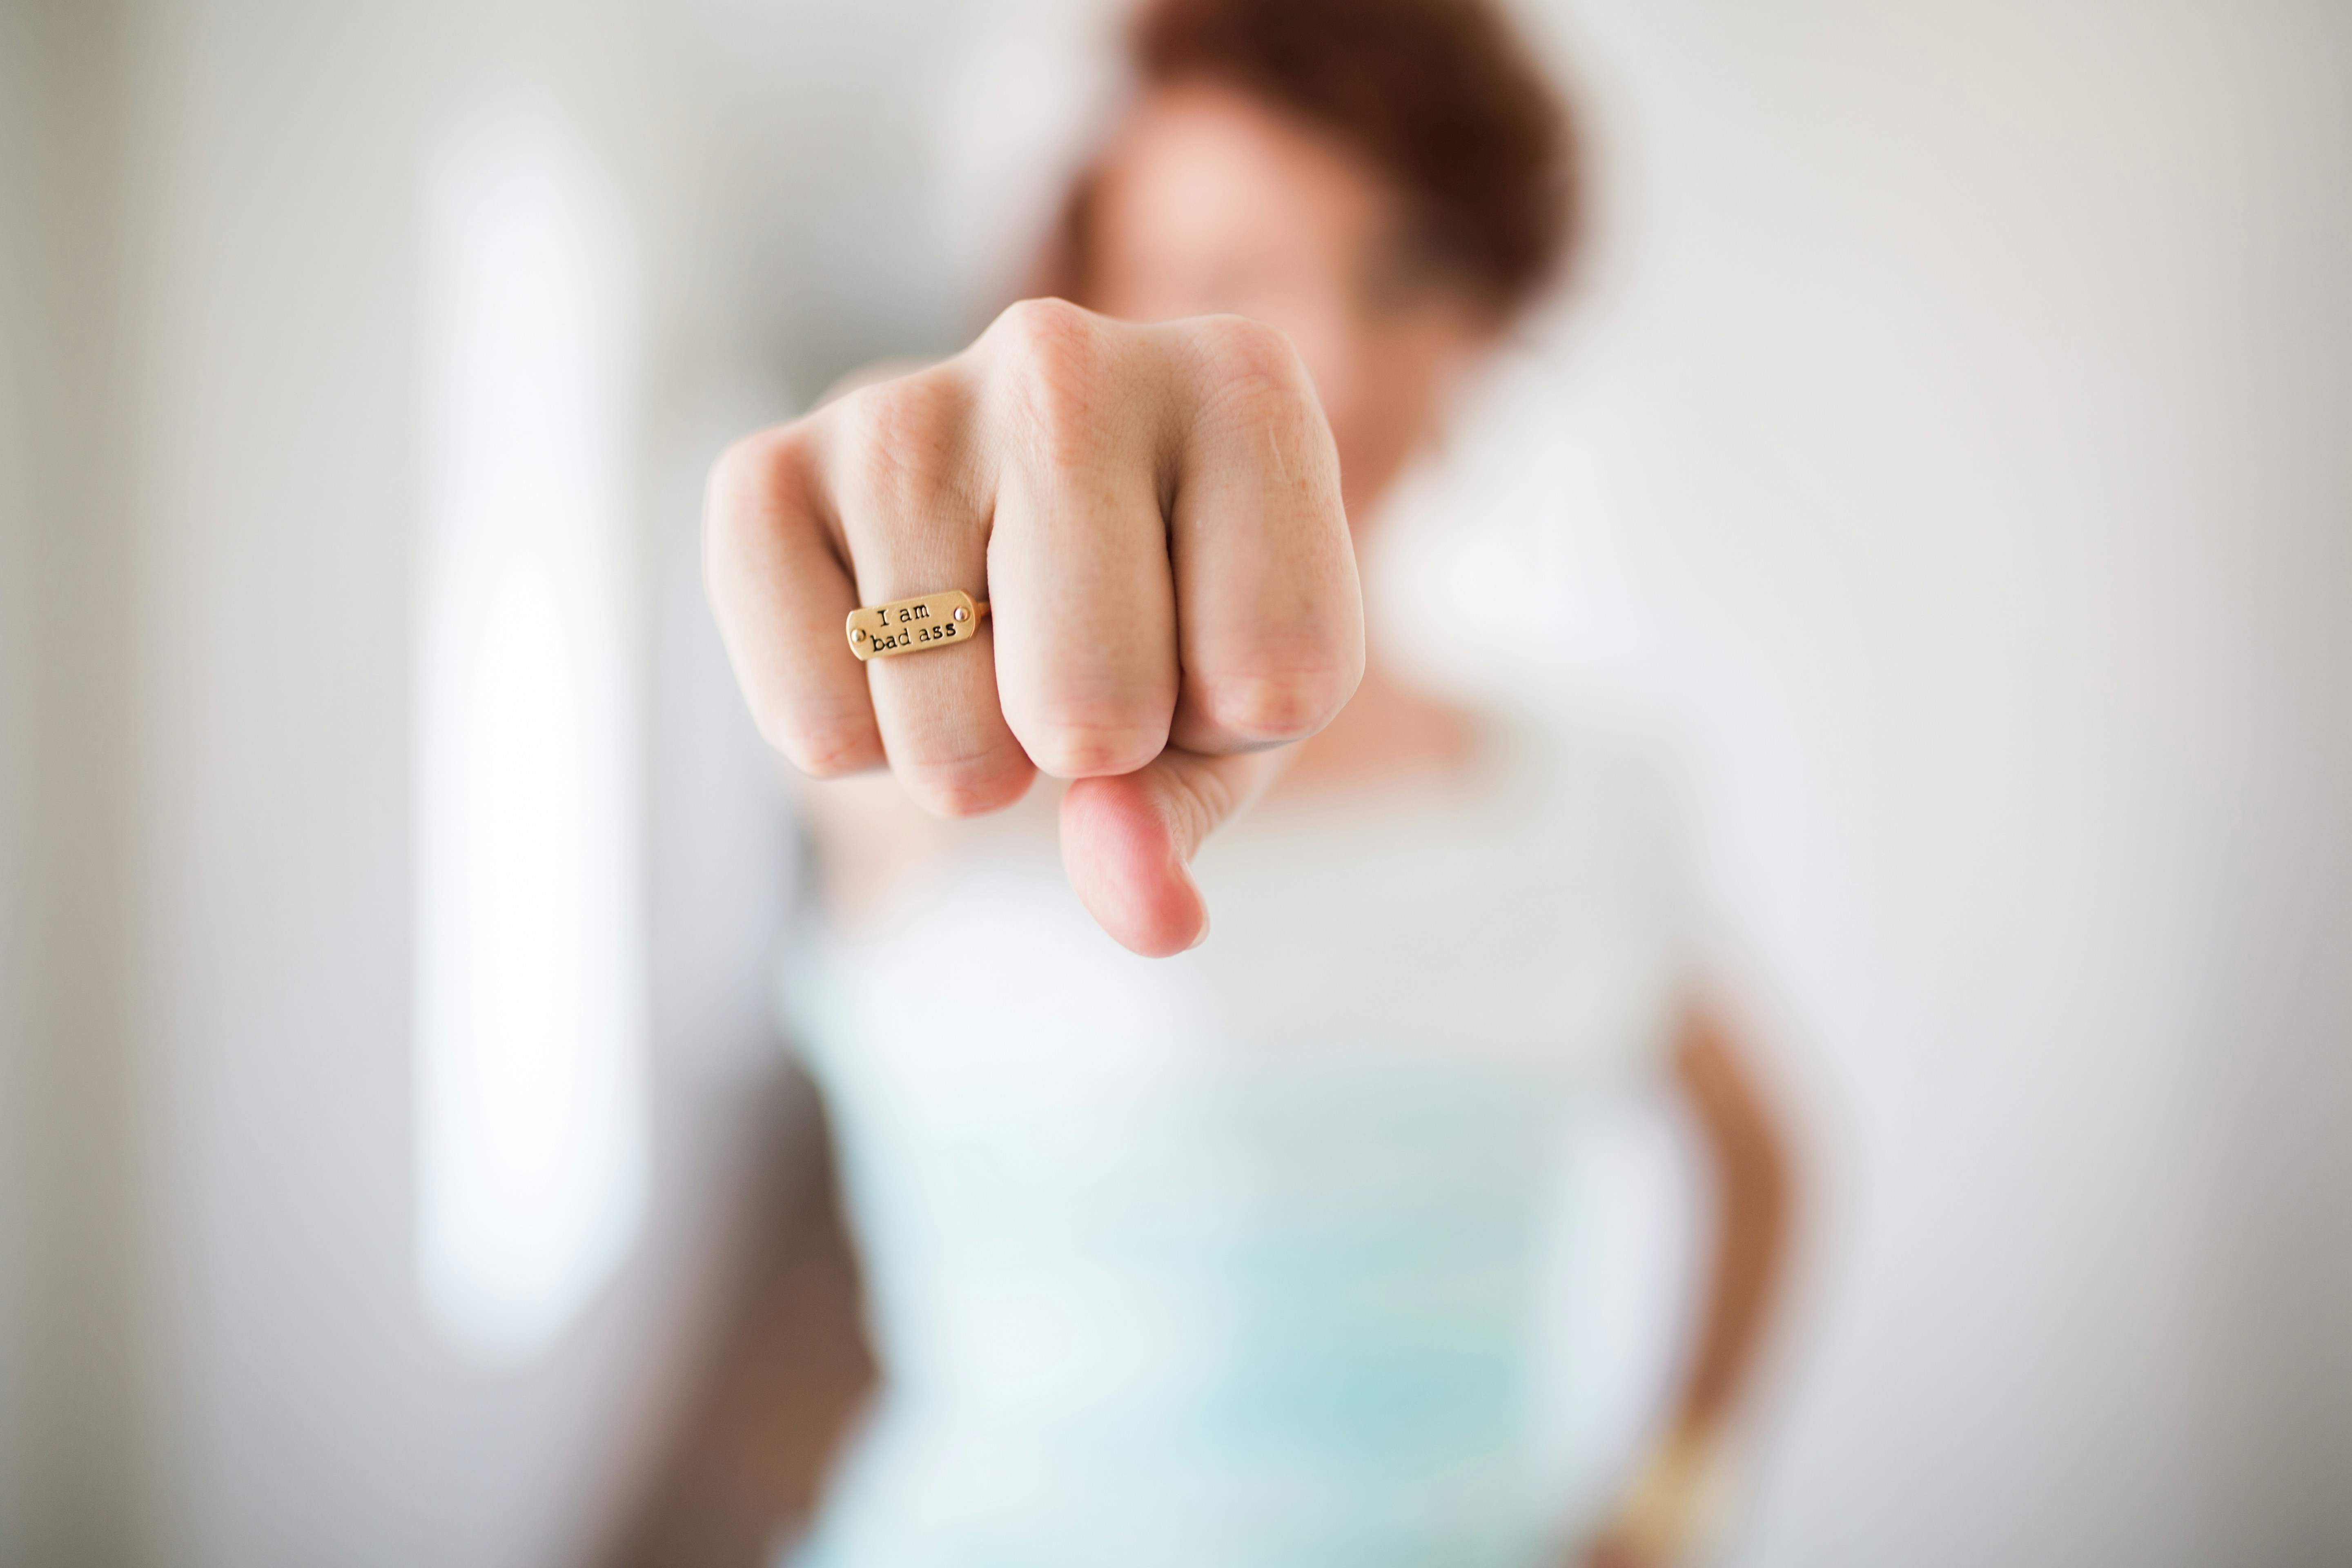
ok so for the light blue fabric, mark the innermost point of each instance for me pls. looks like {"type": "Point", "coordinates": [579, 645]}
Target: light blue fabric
{"type": "Point", "coordinates": [1229, 1259]}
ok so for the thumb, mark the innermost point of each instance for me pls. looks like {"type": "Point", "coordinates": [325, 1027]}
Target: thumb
{"type": "Point", "coordinates": [1127, 841]}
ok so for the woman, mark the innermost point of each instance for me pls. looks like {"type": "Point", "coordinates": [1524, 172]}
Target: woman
{"type": "Point", "coordinates": [1228, 1257]}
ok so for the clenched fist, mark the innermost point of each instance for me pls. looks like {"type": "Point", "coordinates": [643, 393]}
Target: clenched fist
{"type": "Point", "coordinates": [1153, 514]}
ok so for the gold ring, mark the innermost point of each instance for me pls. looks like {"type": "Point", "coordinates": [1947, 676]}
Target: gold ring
{"type": "Point", "coordinates": [914, 625]}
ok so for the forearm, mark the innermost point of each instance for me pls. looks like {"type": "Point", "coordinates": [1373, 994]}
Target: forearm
{"type": "Point", "coordinates": [1749, 1170]}
{"type": "Point", "coordinates": [1671, 1505]}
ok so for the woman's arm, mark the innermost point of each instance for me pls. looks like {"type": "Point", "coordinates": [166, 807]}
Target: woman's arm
{"type": "Point", "coordinates": [1749, 1150]}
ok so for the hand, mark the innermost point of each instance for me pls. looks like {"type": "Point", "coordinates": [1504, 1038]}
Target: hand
{"type": "Point", "coordinates": [1153, 514]}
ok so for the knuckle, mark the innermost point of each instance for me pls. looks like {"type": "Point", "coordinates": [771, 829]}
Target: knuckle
{"type": "Point", "coordinates": [959, 787]}
{"type": "Point", "coordinates": [1249, 360]}
{"type": "Point", "coordinates": [821, 750]}
{"type": "Point", "coordinates": [751, 476]}
{"type": "Point", "coordinates": [1271, 709]}
{"type": "Point", "coordinates": [903, 446]}
{"type": "Point", "coordinates": [1046, 334]}
{"type": "Point", "coordinates": [1053, 357]}
{"type": "Point", "coordinates": [1251, 381]}
{"type": "Point", "coordinates": [1084, 749]}
{"type": "Point", "coordinates": [746, 463]}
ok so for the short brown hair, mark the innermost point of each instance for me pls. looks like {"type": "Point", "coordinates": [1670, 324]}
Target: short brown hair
{"type": "Point", "coordinates": [1442, 98]}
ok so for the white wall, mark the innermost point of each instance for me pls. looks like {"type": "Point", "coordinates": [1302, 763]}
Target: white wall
{"type": "Point", "coordinates": [210, 1345]}
{"type": "Point", "coordinates": [1970, 386]}
{"type": "Point", "coordinates": [305, 1409]}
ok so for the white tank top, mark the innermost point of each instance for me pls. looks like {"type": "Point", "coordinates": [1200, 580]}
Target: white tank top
{"type": "Point", "coordinates": [1229, 1259]}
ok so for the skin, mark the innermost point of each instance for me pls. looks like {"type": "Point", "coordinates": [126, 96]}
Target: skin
{"type": "Point", "coordinates": [1211, 201]}
{"type": "Point", "coordinates": [1154, 512]}
{"type": "Point", "coordinates": [1168, 482]}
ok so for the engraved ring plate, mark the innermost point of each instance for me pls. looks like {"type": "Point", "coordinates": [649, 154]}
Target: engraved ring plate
{"type": "Point", "coordinates": [914, 625]}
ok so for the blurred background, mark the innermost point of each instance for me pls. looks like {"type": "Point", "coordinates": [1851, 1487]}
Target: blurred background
{"type": "Point", "coordinates": [1949, 445]}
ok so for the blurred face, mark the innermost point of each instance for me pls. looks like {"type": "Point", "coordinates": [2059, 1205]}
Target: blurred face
{"type": "Point", "coordinates": [1211, 202]}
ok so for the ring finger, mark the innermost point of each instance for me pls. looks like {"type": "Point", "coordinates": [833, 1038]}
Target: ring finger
{"type": "Point", "coordinates": [914, 521]}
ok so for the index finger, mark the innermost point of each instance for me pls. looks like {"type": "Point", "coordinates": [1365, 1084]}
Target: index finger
{"type": "Point", "coordinates": [1270, 621]}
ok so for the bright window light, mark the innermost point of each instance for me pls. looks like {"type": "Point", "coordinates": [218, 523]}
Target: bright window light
{"type": "Point", "coordinates": [531, 990]}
